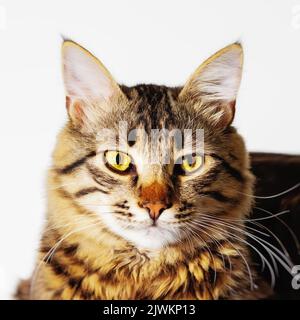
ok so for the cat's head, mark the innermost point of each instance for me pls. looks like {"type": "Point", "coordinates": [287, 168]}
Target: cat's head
{"type": "Point", "coordinates": [144, 185]}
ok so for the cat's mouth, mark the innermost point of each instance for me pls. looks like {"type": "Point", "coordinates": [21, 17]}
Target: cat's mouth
{"type": "Point", "coordinates": [154, 224]}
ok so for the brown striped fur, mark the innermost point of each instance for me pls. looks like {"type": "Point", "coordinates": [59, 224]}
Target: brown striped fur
{"type": "Point", "coordinates": [83, 255]}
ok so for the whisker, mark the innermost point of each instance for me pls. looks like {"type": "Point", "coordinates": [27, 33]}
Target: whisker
{"type": "Point", "coordinates": [273, 216]}
{"type": "Point", "coordinates": [238, 251]}
{"type": "Point", "coordinates": [292, 233]}
{"type": "Point", "coordinates": [272, 251]}
{"type": "Point", "coordinates": [257, 231]}
{"type": "Point", "coordinates": [274, 236]}
{"type": "Point", "coordinates": [210, 253]}
{"type": "Point", "coordinates": [286, 259]}
{"type": "Point", "coordinates": [254, 248]}
{"type": "Point", "coordinates": [272, 196]}
{"type": "Point", "coordinates": [268, 251]}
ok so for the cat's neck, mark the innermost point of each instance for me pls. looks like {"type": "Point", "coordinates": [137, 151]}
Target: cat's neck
{"type": "Point", "coordinates": [173, 272]}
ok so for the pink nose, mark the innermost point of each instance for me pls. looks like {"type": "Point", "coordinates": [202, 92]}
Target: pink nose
{"type": "Point", "coordinates": [154, 198]}
{"type": "Point", "coordinates": [155, 209]}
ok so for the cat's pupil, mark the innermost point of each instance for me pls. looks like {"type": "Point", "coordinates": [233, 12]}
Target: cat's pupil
{"type": "Point", "coordinates": [118, 159]}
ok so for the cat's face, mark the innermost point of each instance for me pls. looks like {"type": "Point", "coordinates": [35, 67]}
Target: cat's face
{"type": "Point", "coordinates": [155, 188]}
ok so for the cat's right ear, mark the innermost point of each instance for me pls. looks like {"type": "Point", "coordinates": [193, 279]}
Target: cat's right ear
{"type": "Point", "coordinates": [214, 85]}
{"type": "Point", "coordinates": [90, 89]}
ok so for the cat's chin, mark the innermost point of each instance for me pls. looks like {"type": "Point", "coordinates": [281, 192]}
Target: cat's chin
{"type": "Point", "coordinates": [151, 238]}
{"type": "Point", "coordinates": [147, 237]}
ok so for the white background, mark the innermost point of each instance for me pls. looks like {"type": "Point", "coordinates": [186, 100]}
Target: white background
{"type": "Point", "coordinates": [159, 41]}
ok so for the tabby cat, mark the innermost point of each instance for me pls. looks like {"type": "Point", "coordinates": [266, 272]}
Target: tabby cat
{"type": "Point", "coordinates": [120, 226]}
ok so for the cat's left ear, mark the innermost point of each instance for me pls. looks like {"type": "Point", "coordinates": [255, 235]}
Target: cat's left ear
{"type": "Point", "coordinates": [89, 86]}
{"type": "Point", "coordinates": [214, 85]}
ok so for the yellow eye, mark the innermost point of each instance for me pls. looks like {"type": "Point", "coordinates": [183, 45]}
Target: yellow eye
{"type": "Point", "coordinates": [117, 160]}
{"type": "Point", "coordinates": [191, 163]}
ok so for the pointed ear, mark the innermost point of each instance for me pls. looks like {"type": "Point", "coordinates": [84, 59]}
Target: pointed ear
{"type": "Point", "coordinates": [89, 86]}
{"type": "Point", "coordinates": [214, 85]}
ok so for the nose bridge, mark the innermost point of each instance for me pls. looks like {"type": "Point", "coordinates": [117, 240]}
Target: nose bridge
{"type": "Point", "coordinates": [151, 177]}
{"type": "Point", "coordinates": [154, 192]}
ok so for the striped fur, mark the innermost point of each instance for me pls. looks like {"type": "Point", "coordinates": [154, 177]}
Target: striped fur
{"type": "Point", "coordinates": [98, 242]}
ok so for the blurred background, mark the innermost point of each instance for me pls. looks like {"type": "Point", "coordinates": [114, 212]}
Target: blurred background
{"type": "Point", "coordinates": [139, 41]}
